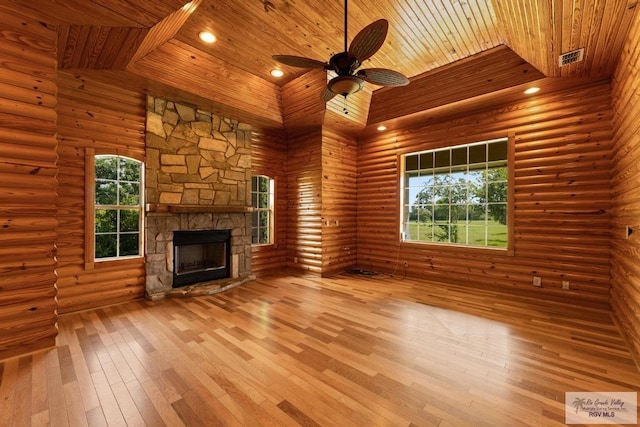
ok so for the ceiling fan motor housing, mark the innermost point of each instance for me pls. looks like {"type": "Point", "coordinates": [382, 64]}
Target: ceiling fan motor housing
{"type": "Point", "coordinates": [344, 63]}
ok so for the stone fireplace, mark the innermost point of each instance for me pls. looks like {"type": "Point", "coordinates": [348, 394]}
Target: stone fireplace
{"type": "Point", "coordinates": [198, 182]}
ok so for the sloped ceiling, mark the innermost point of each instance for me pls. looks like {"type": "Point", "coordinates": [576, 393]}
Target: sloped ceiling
{"type": "Point", "coordinates": [155, 44]}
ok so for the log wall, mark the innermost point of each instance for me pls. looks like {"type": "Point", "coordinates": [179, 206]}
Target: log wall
{"type": "Point", "coordinates": [304, 202]}
{"type": "Point", "coordinates": [96, 116]}
{"type": "Point", "coordinates": [339, 154]}
{"type": "Point", "coordinates": [269, 157]}
{"type": "Point", "coordinates": [625, 271]}
{"type": "Point", "coordinates": [562, 198]}
{"type": "Point", "coordinates": [28, 185]}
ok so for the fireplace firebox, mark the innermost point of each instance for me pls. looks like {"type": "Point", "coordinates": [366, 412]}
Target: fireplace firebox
{"type": "Point", "coordinates": [200, 256]}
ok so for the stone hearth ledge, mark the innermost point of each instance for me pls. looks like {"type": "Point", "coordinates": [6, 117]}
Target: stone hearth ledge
{"type": "Point", "coordinates": [201, 289]}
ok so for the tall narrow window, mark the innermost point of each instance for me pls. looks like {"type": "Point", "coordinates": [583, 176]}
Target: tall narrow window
{"type": "Point", "coordinates": [262, 217]}
{"type": "Point", "coordinates": [457, 195]}
{"type": "Point", "coordinates": [117, 207]}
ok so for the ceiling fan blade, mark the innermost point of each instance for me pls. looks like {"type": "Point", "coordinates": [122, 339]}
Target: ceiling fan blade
{"type": "Point", "coordinates": [299, 61]}
{"type": "Point", "coordinates": [383, 77]}
{"type": "Point", "coordinates": [327, 95]}
{"type": "Point", "coordinates": [369, 40]}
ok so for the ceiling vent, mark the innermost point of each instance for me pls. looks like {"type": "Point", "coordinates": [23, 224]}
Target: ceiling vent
{"type": "Point", "coordinates": [571, 57]}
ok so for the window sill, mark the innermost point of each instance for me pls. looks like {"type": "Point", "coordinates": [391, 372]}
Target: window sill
{"type": "Point", "coordinates": [114, 262]}
{"type": "Point", "coordinates": [459, 248]}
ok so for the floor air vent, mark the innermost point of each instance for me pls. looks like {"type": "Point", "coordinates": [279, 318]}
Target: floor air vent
{"type": "Point", "coordinates": [570, 57]}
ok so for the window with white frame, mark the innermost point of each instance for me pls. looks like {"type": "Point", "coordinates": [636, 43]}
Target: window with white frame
{"type": "Point", "coordinates": [456, 195]}
{"type": "Point", "coordinates": [118, 203]}
{"type": "Point", "coordinates": [262, 216]}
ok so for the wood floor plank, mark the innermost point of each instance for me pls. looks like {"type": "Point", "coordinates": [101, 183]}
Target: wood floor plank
{"type": "Point", "coordinates": [143, 403]}
{"type": "Point", "coordinates": [73, 402]}
{"type": "Point", "coordinates": [161, 404]}
{"type": "Point", "coordinates": [108, 402]}
{"type": "Point", "coordinates": [348, 350]}
{"type": "Point", "coordinates": [127, 406]}
{"type": "Point", "coordinates": [8, 381]}
{"type": "Point", "coordinates": [85, 383]}
{"type": "Point", "coordinates": [96, 418]}
{"type": "Point", "coordinates": [55, 392]}
{"type": "Point", "coordinates": [39, 399]}
{"type": "Point", "coordinates": [23, 391]}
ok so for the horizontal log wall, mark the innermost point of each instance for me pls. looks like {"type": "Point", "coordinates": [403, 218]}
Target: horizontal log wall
{"type": "Point", "coordinates": [269, 157]}
{"type": "Point", "coordinates": [304, 202]}
{"type": "Point", "coordinates": [339, 197]}
{"type": "Point", "coordinates": [28, 185]}
{"type": "Point", "coordinates": [108, 119]}
{"type": "Point", "coordinates": [562, 198]}
{"type": "Point", "coordinates": [625, 271]}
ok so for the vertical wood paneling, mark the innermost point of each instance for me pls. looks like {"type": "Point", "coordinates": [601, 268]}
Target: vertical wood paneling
{"type": "Point", "coordinates": [350, 113]}
{"type": "Point", "coordinates": [304, 198]}
{"type": "Point", "coordinates": [625, 254]}
{"type": "Point", "coordinates": [98, 47]}
{"type": "Point", "coordinates": [339, 154]}
{"type": "Point", "coordinates": [28, 185]}
{"type": "Point", "coordinates": [562, 202]}
{"type": "Point", "coordinates": [540, 31]}
{"type": "Point", "coordinates": [269, 157]}
{"type": "Point", "coordinates": [102, 117]}
{"type": "Point", "coordinates": [302, 105]}
{"type": "Point", "coordinates": [165, 30]}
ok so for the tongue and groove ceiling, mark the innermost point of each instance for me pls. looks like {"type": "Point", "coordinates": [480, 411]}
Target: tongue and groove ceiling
{"type": "Point", "coordinates": [154, 45]}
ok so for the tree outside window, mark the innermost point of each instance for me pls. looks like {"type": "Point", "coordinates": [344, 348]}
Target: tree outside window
{"type": "Point", "coordinates": [118, 207]}
{"type": "Point", "coordinates": [457, 195]}
{"type": "Point", "coordinates": [262, 216]}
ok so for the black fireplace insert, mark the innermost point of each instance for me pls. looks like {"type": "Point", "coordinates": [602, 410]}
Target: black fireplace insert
{"type": "Point", "coordinates": [200, 256]}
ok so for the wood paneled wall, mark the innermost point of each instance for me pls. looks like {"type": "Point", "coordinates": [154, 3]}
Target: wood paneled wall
{"type": "Point", "coordinates": [28, 185]}
{"type": "Point", "coordinates": [304, 201]}
{"type": "Point", "coordinates": [339, 196]}
{"type": "Point", "coordinates": [562, 198]}
{"type": "Point", "coordinates": [625, 270]}
{"type": "Point", "coordinates": [110, 120]}
{"type": "Point", "coordinates": [269, 157]}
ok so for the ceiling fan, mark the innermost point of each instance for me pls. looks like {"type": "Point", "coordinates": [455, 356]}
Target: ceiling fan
{"type": "Point", "coordinates": [345, 64]}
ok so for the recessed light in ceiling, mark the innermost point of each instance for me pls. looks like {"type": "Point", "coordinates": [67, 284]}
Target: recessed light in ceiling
{"type": "Point", "coordinates": [277, 73]}
{"type": "Point", "coordinates": [207, 37]}
{"type": "Point", "coordinates": [189, 7]}
{"type": "Point", "coordinates": [382, 128]}
{"type": "Point", "coordinates": [532, 90]}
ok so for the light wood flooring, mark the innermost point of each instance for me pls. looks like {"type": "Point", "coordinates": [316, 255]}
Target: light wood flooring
{"type": "Point", "coordinates": [299, 350]}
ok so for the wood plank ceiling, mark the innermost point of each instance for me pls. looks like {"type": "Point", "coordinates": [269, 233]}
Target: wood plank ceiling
{"type": "Point", "coordinates": [423, 35]}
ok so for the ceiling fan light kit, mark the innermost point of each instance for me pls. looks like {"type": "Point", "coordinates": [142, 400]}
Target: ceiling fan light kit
{"type": "Point", "coordinates": [349, 79]}
{"type": "Point", "coordinates": [345, 85]}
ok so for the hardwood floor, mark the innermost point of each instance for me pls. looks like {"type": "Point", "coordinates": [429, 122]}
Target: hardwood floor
{"type": "Point", "coordinates": [349, 350]}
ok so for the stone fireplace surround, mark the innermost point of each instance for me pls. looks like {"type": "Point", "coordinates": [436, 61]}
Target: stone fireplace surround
{"type": "Point", "coordinates": [197, 177]}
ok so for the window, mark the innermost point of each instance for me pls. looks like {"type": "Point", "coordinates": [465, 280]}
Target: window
{"type": "Point", "coordinates": [456, 195]}
{"type": "Point", "coordinates": [262, 217]}
{"type": "Point", "coordinates": [117, 212]}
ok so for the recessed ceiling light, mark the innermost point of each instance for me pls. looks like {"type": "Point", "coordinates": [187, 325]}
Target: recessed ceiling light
{"type": "Point", "coordinates": [207, 37]}
{"type": "Point", "coordinates": [189, 7]}
{"type": "Point", "coordinates": [277, 73]}
{"type": "Point", "coordinates": [382, 128]}
{"type": "Point", "coordinates": [532, 90]}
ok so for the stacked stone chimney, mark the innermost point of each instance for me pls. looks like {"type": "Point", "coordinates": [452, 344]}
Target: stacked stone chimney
{"type": "Point", "coordinates": [198, 177]}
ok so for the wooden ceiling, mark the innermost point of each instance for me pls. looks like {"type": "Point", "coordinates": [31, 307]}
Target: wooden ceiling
{"type": "Point", "coordinates": [157, 41]}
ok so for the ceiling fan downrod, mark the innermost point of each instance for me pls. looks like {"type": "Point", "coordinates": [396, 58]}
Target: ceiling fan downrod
{"type": "Point", "coordinates": [345, 25]}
